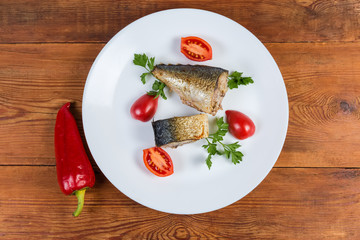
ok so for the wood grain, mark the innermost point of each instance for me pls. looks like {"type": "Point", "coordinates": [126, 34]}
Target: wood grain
{"type": "Point", "coordinates": [46, 51]}
{"type": "Point", "coordinates": [323, 87]}
{"type": "Point", "coordinates": [97, 21]}
{"type": "Point", "coordinates": [35, 81]}
{"type": "Point", "coordinates": [321, 80]}
{"type": "Point", "coordinates": [319, 203]}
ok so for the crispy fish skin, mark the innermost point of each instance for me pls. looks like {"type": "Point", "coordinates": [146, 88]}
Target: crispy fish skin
{"type": "Point", "coordinates": [201, 87]}
{"type": "Point", "coordinates": [176, 131]}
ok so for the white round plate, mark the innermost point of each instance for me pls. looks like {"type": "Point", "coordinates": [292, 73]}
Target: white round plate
{"type": "Point", "coordinates": [116, 140]}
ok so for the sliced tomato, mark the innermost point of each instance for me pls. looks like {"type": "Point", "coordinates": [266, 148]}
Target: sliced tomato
{"type": "Point", "coordinates": [196, 49]}
{"type": "Point", "coordinates": [158, 161]}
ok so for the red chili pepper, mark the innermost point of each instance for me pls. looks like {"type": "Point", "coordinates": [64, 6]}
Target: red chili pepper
{"type": "Point", "coordinates": [74, 171]}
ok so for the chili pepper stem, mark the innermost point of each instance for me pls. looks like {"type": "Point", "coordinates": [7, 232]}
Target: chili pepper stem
{"type": "Point", "coordinates": [80, 194]}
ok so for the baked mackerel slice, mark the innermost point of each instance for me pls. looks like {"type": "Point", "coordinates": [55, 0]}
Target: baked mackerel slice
{"type": "Point", "coordinates": [201, 87]}
{"type": "Point", "coordinates": [176, 131]}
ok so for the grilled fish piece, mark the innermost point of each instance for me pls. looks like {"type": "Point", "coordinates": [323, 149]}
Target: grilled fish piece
{"type": "Point", "coordinates": [176, 131]}
{"type": "Point", "coordinates": [201, 87]}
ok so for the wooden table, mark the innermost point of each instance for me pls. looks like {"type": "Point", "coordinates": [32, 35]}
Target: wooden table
{"type": "Point", "coordinates": [46, 51]}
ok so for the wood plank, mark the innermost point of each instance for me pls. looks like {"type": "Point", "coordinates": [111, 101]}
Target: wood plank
{"type": "Point", "coordinates": [323, 87]}
{"type": "Point", "coordinates": [291, 203]}
{"type": "Point", "coordinates": [98, 20]}
{"type": "Point", "coordinates": [322, 81]}
{"type": "Point", "coordinates": [35, 81]}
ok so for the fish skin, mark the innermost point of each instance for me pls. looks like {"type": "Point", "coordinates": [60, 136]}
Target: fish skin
{"type": "Point", "coordinates": [199, 86]}
{"type": "Point", "coordinates": [176, 131]}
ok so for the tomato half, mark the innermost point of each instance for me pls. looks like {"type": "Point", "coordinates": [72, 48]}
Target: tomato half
{"type": "Point", "coordinates": [240, 125]}
{"type": "Point", "coordinates": [196, 49]}
{"type": "Point", "coordinates": [144, 108]}
{"type": "Point", "coordinates": [158, 161]}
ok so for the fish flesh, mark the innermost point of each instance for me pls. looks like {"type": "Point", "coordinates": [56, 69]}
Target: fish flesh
{"type": "Point", "coordinates": [176, 131]}
{"type": "Point", "coordinates": [201, 87]}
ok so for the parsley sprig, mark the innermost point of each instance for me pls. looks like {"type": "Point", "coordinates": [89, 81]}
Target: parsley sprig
{"type": "Point", "coordinates": [145, 62]}
{"type": "Point", "coordinates": [158, 89]}
{"type": "Point", "coordinates": [149, 63]}
{"type": "Point", "coordinates": [235, 79]}
{"type": "Point", "coordinates": [229, 150]}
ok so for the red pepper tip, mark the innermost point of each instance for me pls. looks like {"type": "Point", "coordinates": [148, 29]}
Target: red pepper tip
{"type": "Point", "coordinates": [67, 104]}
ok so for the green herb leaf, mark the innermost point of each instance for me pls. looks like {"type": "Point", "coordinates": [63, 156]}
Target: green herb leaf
{"type": "Point", "coordinates": [212, 149]}
{"type": "Point", "coordinates": [155, 86]}
{"type": "Point", "coordinates": [162, 94]}
{"type": "Point", "coordinates": [143, 77]}
{"type": "Point", "coordinates": [220, 122]}
{"type": "Point", "coordinates": [235, 79]}
{"type": "Point", "coordinates": [216, 138]}
{"type": "Point", "coordinates": [236, 157]}
{"type": "Point", "coordinates": [233, 146]}
{"type": "Point", "coordinates": [227, 153]}
{"type": "Point", "coordinates": [140, 60]}
{"type": "Point", "coordinates": [221, 132]}
{"type": "Point", "coordinates": [208, 161]}
{"type": "Point", "coordinates": [149, 64]}
{"type": "Point", "coordinates": [222, 126]}
{"type": "Point", "coordinates": [230, 150]}
{"type": "Point", "coordinates": [158, 89]}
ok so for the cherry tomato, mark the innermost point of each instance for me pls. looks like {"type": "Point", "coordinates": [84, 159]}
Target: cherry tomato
{"type": "Point", "coordinates": [196, 49]}
{"type": "Point", "coordinates": [144, 108]}
{"type": "Point", "coordinates": [240, 125]}
{"type": "Point", "coordinates": [158, 161]}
